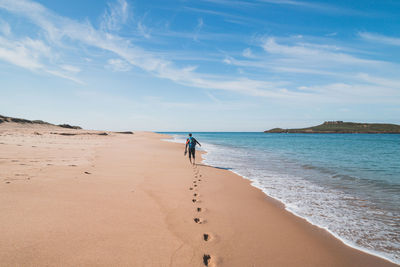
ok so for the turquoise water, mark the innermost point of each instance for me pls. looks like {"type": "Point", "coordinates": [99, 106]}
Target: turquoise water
{"type": "Point", "coordinates": [348, 184]}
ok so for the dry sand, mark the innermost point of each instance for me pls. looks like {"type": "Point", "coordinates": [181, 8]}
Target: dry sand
{"type": "Point", "coordinates": [134, 200]}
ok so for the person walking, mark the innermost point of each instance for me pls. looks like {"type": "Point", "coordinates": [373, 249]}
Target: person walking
{"type": "Point", "coordinates": [191, 144]}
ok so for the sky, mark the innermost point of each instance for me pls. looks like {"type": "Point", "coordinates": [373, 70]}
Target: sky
{"type": "Point", "coordinates": [200, 65]}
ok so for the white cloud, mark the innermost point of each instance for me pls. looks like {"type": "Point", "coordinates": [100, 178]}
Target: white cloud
{"type": "Point", "coordinates": [64, 76]}
{"type": "Point", "coordinates": [355, 93]}
{"type": "Point", "coordinates": [115, 16]}
{"type": "Point", "coordinates": [200, 24]}
{"type": "Point", "coordinates": [326, 63]}
{"type": "Point", "coordinates": [320, 7]}
{"type": "Point", "coordinates": [20, 54]}
{"type": "Point", "coordinates": [118, 65]}
{"type": "Point", "coordinates": [33, 55]}
{"type": "Point", "coordinates": [228, 60]}
{"type": "Point", "coordinates": [331, 34]}
{"type": "Point", "coordinates": [248, 53]}
{"type": "Point", "coordinates": [5, 27]}
{"type": "Point", "coordinates": [70, 68]}
{"type": "Point", "coordinates": [289, 58]}
{"type": "Point", "coordinates": [283, 69]}
{"type": "Point", "coordinates": [388, 83]}
{"type": "Point", "coordinates": [143, 30]}
{"type": "Point", "coordinates": [314, 53]}
{"type": "Point", "coordinates": [58, 28]}
{"type": "Point", "coordinates": [379, 38]}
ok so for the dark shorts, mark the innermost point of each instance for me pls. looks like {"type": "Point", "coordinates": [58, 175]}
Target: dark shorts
{"type": "Point", "coordinates": [192, 152]}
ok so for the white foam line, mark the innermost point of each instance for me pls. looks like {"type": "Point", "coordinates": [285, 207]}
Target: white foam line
{"type": "Point", "coordinates": [343, 240]}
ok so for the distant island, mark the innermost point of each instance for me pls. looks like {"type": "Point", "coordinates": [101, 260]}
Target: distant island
{"type": "Point", "coordinates": [343, 127]}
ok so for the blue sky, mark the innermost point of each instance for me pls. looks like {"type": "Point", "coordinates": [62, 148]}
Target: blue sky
{"type": "Point", "coordinates": [204, 65]}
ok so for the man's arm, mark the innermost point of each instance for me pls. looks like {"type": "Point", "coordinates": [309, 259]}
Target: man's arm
{"type": "Point", "coordinates": [197, 142]}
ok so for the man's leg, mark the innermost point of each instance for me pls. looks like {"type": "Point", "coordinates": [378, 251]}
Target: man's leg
{"type": "Point", "coordinates": [194, 156]}
{"type": "Point", "coordinates": [190, 156]}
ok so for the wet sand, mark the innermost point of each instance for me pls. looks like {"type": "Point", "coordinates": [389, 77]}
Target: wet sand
{"type": "Point", "coordinates": [85, 199]}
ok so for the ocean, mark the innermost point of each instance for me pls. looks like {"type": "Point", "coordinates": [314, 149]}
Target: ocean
{"type": "Point", "coordinates": [348, 184]}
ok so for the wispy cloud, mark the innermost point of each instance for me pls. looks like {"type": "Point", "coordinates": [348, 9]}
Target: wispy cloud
{"type": "Point", "coordinates": [356, 93]}
{"type": "Point", "coordinates": [325, 63]}
{"type": "Point", "coordinates": [291, 56]}
{"type": "Point", "coordinates": [319, 7]}
{"type": "Point", "coordinates": [143, 30]}
{"type": "Point", "coordinates": [57, 28]}
{"type": "Point", "coordinates": [70, 68]}
{"type": "Point", "coordinates": [215, 13]}
{"type": "Point", "coordinates": [290, 53]}
{"type": "Point", "coordinates": [34, 55]}
{"type": "Point", "coordinates": [22, 53]}
{"type": "Point", "coordinates": [5, 28]}
{"type": "Point", "coordinates": [313, 52]}
{"type": "Point", "coordinates": [200, 24]}
{"type": "Point", "coordinates": [236, 3]}
{"type": "Point", "coordinates": [63, 75]}
{"type": "Point", "coordinates": [379, 38]}
{"type": "Point", "coordinates": [383, 82]}
{"type": "Point", "coordinates": [115, 16]}
{"type": "Point", "coordinates": [117, 64]}
{"type": "Point", "coordinates": [248, 53]}
{"type": "Point", "coordinates": [331, 34]}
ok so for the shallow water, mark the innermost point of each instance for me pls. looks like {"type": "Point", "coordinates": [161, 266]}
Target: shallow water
{"type": "Point", "coordinates": [348, 184]}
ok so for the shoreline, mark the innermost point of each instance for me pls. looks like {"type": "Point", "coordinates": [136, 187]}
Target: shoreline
{"type": "Point", "coordinates": [282, 205]}
{"type": "Point", "coordinates": [89, 199]}
{"type": "Point", "coordinates": [344, 241]}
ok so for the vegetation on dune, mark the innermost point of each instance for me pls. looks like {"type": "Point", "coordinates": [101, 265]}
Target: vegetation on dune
{"type": "Point", "coordinates": [18, 120]}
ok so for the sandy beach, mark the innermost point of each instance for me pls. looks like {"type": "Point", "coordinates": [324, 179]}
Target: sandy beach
{"type": "Point", "coordinates": [82, 198]}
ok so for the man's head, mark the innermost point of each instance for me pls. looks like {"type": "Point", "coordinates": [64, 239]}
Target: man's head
{"type": "Point", "coordinates": [190, 134]}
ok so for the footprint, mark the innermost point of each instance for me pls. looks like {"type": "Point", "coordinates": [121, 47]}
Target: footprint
{"type": "Point", "coordinates": [194, 200]}
{"type": "Point", "coordinates": [206, 237]}
{"type": "Point", "coordinates": [87, 173]}
{"type": "Point", "coordinates": [195, 185]}
{"type": "Point", "coordinates": [191, 188]}
{"type": "Point", "coordinates": [195, 194]}
{"type": "Point", "coordinates": [198, 220]}
{"type": "Point", "coordinates": [199, 180]}
{"type": "Point", "coordinates": [194, 181]}
{"type": "Point", "coordinates": [198, 209]}
{"type": "Point", "coordinates": [206, 259]}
